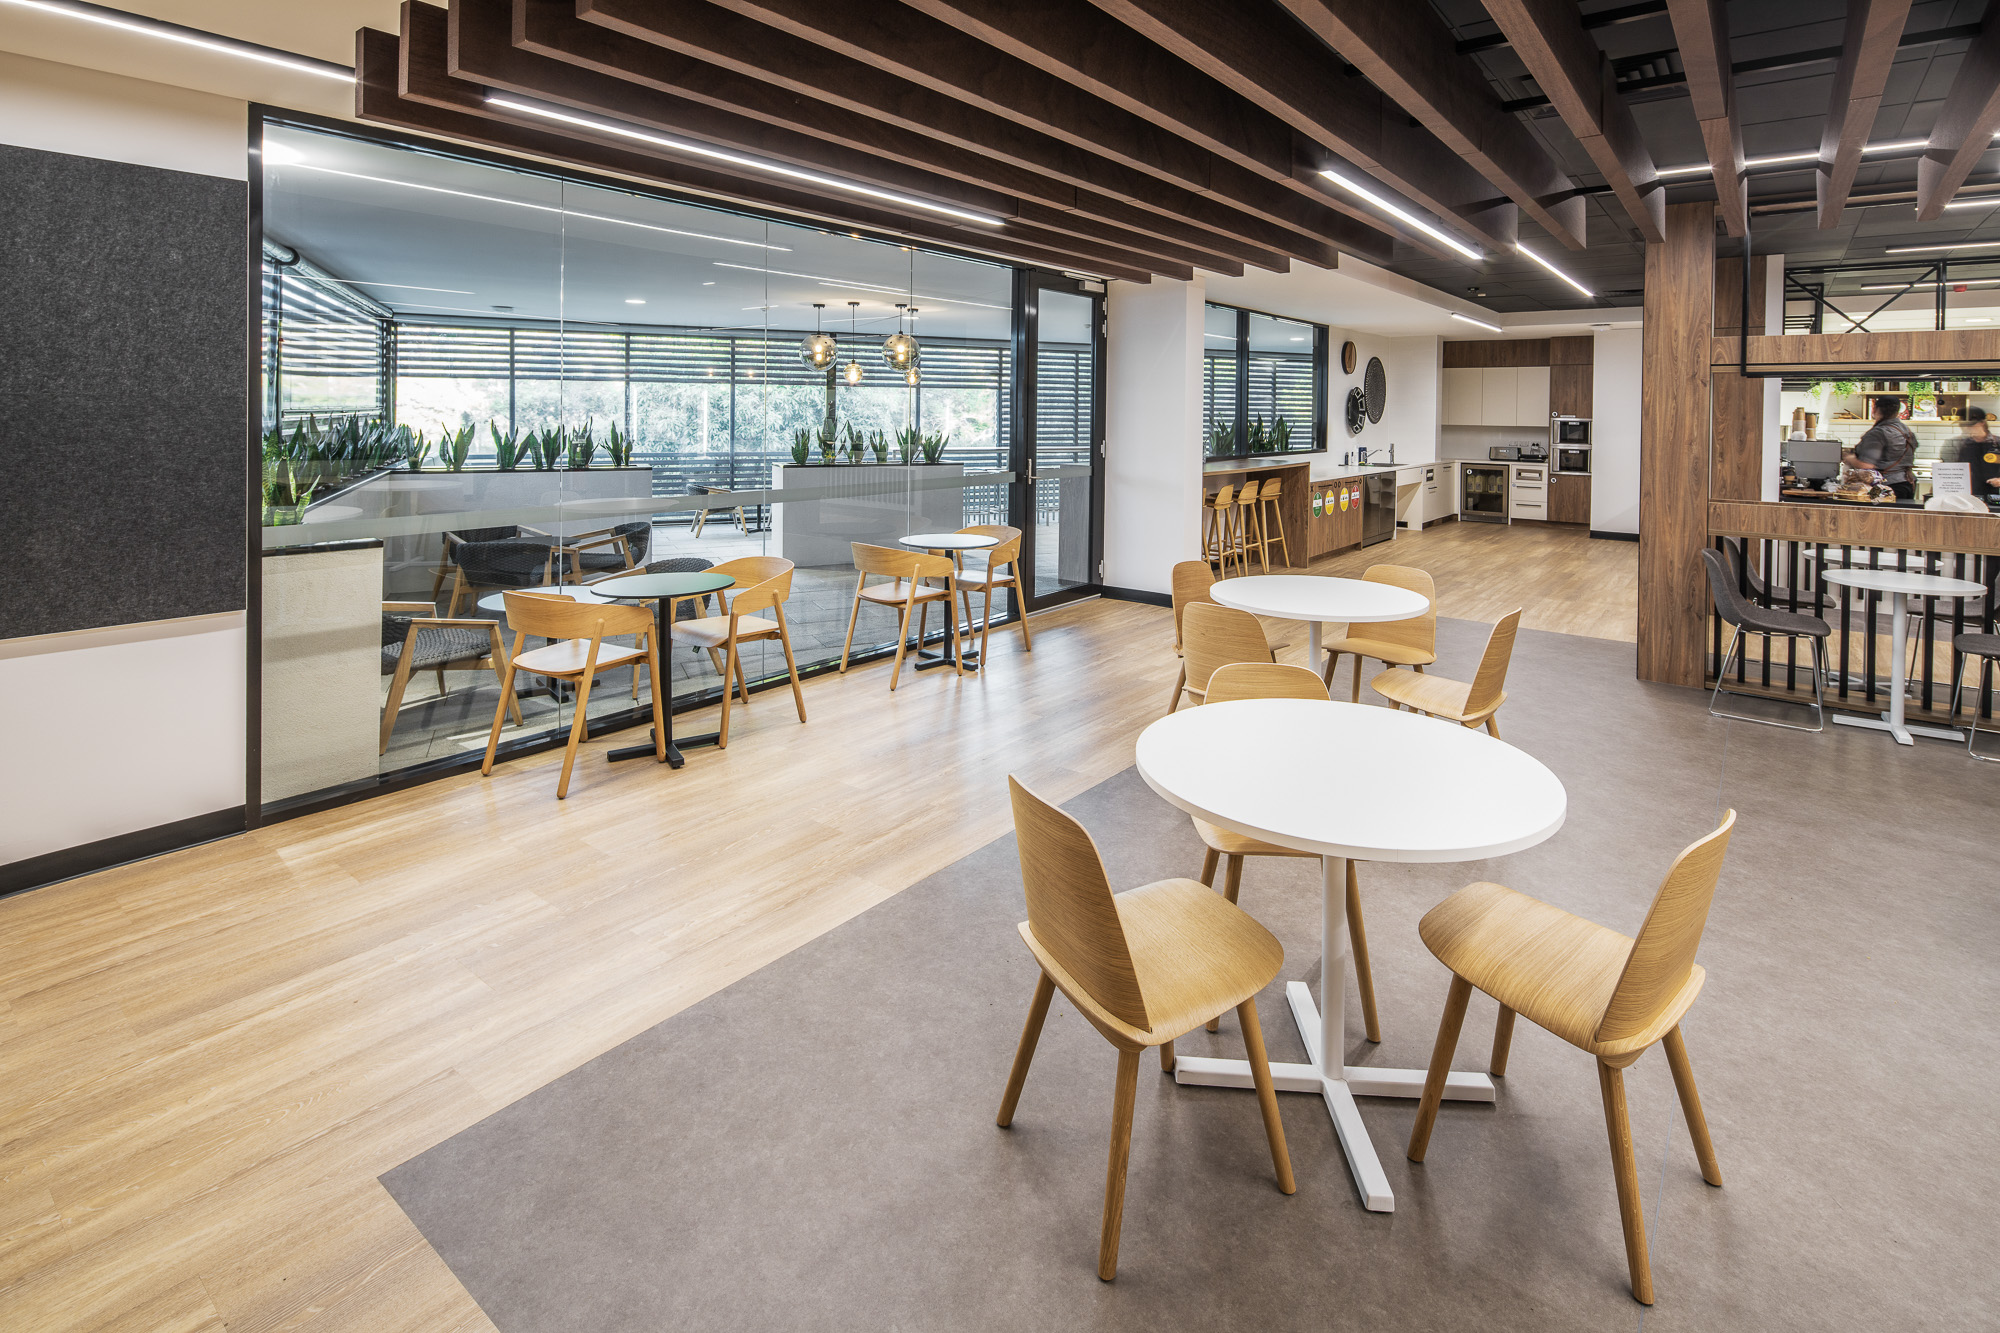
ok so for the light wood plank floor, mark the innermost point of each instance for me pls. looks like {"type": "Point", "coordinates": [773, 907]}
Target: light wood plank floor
{"type": "Point", "coordinates": [207, 1059]}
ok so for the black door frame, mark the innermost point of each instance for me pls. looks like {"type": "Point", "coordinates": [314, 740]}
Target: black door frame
{"type": "Point", "coordinates": [1028, 284]}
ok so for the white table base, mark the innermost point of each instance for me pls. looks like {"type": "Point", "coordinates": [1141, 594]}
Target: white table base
{"type": "Point", "coordinates": [1325, 1032]}
{"type": "Point", "coordinates": [1892, 721]}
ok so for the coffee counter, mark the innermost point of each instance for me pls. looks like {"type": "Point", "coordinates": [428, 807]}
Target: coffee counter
{"type": "Point", "coordinates": [1293, 477]}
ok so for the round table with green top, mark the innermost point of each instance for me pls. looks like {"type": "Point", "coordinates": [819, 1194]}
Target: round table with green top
{"type": "Point", "coordinates": [662, 590]}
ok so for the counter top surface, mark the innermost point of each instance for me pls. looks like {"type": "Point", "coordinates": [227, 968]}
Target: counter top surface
{"type": "Point", "coordinates": [1260, 463]}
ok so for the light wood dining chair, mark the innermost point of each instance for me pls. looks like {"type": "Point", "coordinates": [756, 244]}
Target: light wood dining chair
{"type": "Point", "coordinates": [1468, 705]}
{"type": "Point", "coordinates": [1213, 635]}
{"type": "Point", "coordinates": [1143, 967]}
{"type": "Point", "coordinates": [1277, 680]}
{"type": "Point", "coordinates": [917, 580]}
{"type": "Point", "coordinates": [1216, 508]}
{"type": "Point", "coordinates": [987, 575]}
{"type": "Point", "coordinates": [1192, 580]}
{"type": "Point", "coordinates": [1410, 643]}
{"type": "Point", "coordinates": [1271, 517]}
{"type": "Point", "coordinates": [763, 583]}
{"type": "Point", "coordinates": [577, 652]}
{"type": "Point", "coordinates": [416, 638]}
{"type": "Point", "coordinates": [1600, 991]}
{"type": "Point", "coordinates": [1250, 528]}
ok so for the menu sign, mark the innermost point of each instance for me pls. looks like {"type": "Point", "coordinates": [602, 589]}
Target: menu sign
{"type": "Point", "coordinates": [1951, 479]}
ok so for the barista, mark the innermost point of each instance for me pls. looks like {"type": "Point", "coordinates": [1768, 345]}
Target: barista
{"type": "Point", "coordinates": [1981, 449]}
{"type": "Point", "coordinates": [1888, 448]}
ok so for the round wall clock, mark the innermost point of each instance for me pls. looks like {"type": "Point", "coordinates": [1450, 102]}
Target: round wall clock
{"type": "Point", "coordinates": [1348, 356]}
{"type": "Point", "coordinates": [1376, 382]}
{"type": "Point", "coordinates": [1357, 411]}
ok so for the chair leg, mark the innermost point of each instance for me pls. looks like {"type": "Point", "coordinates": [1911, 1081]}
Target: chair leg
{"type": "Point", "coordinates": [1024, 1052]}
{"type": "Point", "coordinates": [1631, 1208]}
{"type": "Point", "coordinates": [396, 687]}
{"type": "Point", "coordinates": [1027, 639]}
{"type": "Point", "coordinates": [499, 663]}
{"type": "Point", "coordinates": [1267, 1095]}
{"type": "Point", "coordinates": [499, 716]}
{"type": "Point", "coordinates": [985, 613]}
{"type": "Point", "coordinates": [1326, 673]}
{"type": "Point", "coordinates": [1180, 684]}
{"type": "Point", "coordinates": [1364, 976]}
{"type": "Point", "coordinates": [1704, 1148]}
{"type": "Point", "coordinates": [1114, 1169]}
{"type": "Point", "coordinates": [729, 664]}
{"type": "Point", "coordinates": [1493, 726]}
{"type": "Point", "coordinates": [576, 732]}
{"type": "Point", "coordinates": [1503, 1041]}
{"type": "Point", "coordinates": [1455, 1001]}
{"type": "Point", "coordinates": [852, 617]}
{"type": "Point", "coordinates": [1167, 1057]}
{"type": "Point", "coordinates": [791, 666]}
{"type": "Point", "coordinates": [742, 685]}
{"type": "Point", "coordinates": [1208, 863]}
{"type": "Point", "coordinates": [1232, 884]}
{"type": "Point", "coordinates": [1358, 663]}
{"type": "Point", "coordinates": [902, 645]}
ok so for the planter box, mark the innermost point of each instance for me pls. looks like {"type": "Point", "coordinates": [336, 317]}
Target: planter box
{"type": "Point", "coordinates": [322, 653]}
{"type": "Point", "coordinates": [875, 503]}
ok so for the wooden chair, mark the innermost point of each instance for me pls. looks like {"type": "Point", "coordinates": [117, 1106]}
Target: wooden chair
{"type": "Point", "coordinates": [996, 571]}
{"type": "Point", "coordinates": [1598, 990]}
{"type": "Point", "coordinates": [508, 563]}
{"type": "Point", "coordinates": [577, 652]}
{"type": "Point", "coordinates": [1217, 526]}
{"type": "Point", "coordinates": [701, 515]}
{"type": "Point", "coordinates": [1192, 581]}
{"type": "Point", "coordinates": [1468, 705]}
{"type": "Point", "coordinates": [763, 583]}
{"type": "Point", "coordinates": [416, 638]}
{"type": "Point", "coordinates": [911, 589]}
{"type": "Point", "coordinates": [1410, 643]}
{"type": "Point", "coordinates": [1270, 516]}
{"type": "Point", "coordinates": [1249, 525]}
{"type": "Point", "coordinates": [1276, 680]}
{"type": "Point", "coordinates": [1214, 636]}
{"type": "Point", "coordinates": [1143, 967]}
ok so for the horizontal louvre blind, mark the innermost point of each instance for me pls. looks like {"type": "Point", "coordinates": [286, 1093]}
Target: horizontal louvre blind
{"type": "Point", "coordinates": [445, 351]}
{"type": "Point", "coordinates": [568, 354]}
{"type": "Point", "coordinates": [681, 358]}
{"type": "Point", "coordinates": [1062, 403]}
{"type": "Point", "coordinates": [1281, 385]}
{"type": "Point", "coordinates": [323, 334]}
{"type": "Point", "coordinates": [1218, 393]}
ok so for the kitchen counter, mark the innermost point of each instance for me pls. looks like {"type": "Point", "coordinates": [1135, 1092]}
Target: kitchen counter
{"type": "Point", "coordinates": [1259, 462]}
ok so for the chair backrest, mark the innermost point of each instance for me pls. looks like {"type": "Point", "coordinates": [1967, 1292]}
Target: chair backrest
{"type": "Point", "coordinates": [1006, 552]}
{"type": "Point", "coordinates": [1663, 953]}
{"type": "Point", "coordinates": [1214, 636]}
{"type": "Point", "coordinates": [762, 582]}
{"type": "Point", "coordinates": [1192, 581]}
{"type": "Point", "coordinates": [1416, 632]}
{"type": "Point", "coordinates": [638, 540]}
{"type": "Point", "coordinates": [556, 616]}
{"type": "Point", "coordinates": [1248, 495]}
{"type": "Point", "coordinates": [1264, 680]}
{"type": "Point", "coordinates": [1070, 908]}
{"type": "Point", "coordinates": [896, 563]}
{"type": "Point", "coordinates": [1730, 602]}
{"type": "Point", "coordinates": [505, 559]}
{"type": "Point", "coordinates": [1491, 681]}
{"type": "Point", "coordinates": [1225, 497]}
{"type": "Point", "coordinates": [1270, 491]}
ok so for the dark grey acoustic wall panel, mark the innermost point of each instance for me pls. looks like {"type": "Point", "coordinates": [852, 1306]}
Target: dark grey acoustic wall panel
{"type": "Point", "coordinates": [122, 393]}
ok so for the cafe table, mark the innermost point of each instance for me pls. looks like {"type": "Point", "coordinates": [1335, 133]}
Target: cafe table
{"type": "Point", "coordinates": [661, 590]}
{"type": "Point", "coordinates": [1347, 780]}
{"type": "Point", "coordinates": [1899, 586]}
{"type": "Point", "coordinates": [955, 545]}
{"type": "Point", "coordinates": [1313, 599]}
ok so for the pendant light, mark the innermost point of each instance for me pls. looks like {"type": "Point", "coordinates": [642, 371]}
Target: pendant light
{"type": "Point", "coordinates": [853, 369]}
{"type": "Point", "coordinates": [899, 349]}
{"type": "Point", "coordinates": [818, 349]}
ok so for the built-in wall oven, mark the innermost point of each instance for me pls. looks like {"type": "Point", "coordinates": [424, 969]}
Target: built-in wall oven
{"type": "Point", "coordinates": [1482, 493]}
{"type": "Point", "coordinates": [1572, 459]}
{"type": "Point", "coordinates": [1569, 431]}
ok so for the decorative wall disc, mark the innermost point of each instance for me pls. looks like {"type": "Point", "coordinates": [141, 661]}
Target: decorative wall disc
{"type": "Point", "coordinates": [1376, 382]}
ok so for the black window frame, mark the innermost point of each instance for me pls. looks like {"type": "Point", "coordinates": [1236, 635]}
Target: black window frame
{"type": "Point", "coordinates": [1322, 345]}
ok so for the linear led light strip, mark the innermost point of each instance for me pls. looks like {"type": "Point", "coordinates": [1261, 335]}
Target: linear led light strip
{"type": "Point", "coordinates": [1912, 286]}
{"type": "Point", "coordinates": [539, 208]}
{"type": "Point", "coordinates": [1781, 159]}
{"type": "Point", "coordinates": [112, 18]}
{"type": "Point", "coordinates": [738, 159]}
{"type": "Point", "coordinates": [1467, 319]}
{"type": "Point", "coordinates": [1401, 214]}
{"type": "Point", "coordinates": [1950, 245]}
{"type": "Point", "coordinates": [1553, 269]}
{"type": "Point", "coordinates": [861, 286]}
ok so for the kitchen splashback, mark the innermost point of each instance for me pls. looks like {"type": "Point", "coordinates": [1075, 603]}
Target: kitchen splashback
{"type": "Point", "coordinates": [1473, 442]}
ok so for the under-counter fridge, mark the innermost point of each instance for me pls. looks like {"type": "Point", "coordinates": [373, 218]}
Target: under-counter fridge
{"type": "Point", "coordinates": [1482, 493]}
{"type": "Point", "coordinates": [1378, 507]}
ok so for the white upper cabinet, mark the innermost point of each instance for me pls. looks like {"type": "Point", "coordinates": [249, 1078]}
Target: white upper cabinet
{"type": "Point", "coordinates": [1495, 397]}
{"type": "Point", "coordinates": [1531, 396]}
{"type": "Point", "coordinates": [1461, 397]}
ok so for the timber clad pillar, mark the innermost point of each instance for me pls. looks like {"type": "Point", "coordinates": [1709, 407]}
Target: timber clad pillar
{"type": "Point", "coordinates": [1738, 469]}
{"type": "Point", "coordinates": [1674, 446]}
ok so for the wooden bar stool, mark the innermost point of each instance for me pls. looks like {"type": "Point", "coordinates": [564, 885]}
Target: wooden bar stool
{"type": "Point", "coordinates": [1216, 508]}
{"type": "Point", "coordinates": [1272, 517]}
{"type": "Point", "coordinates": [1249, 528]}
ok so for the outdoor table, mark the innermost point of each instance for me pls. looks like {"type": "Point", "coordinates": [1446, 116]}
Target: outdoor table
{"type": "Point", "coordinates": [1313, 599]}
{"type": "Point", "coordinates": [1347, 780]}
{"type": "Point", "coordinates": [582, 592]}
{"type": "Point", "coordinates": [954, 544]}
{"type": "Point", "coordinates": [662, 589]}
{"type": "Point", "coordinates": [1900, 586]}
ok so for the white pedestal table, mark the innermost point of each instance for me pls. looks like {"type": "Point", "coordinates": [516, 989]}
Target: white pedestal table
{"type": "Point", "coordinates": [1314, 599]}
{"type": "Point", "coordinates": [1900, 585]}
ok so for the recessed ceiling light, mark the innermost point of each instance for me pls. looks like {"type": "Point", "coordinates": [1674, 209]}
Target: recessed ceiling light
{"type": "Point", "coordinates": [634, 300]}
{"type": "Point", "coordinates": [1553, 269]}
{"type": "Point", "coordinates": [1298, 340]}
{"type": "Point", "coordinates": [168, 32]}
{"type": "Point", "coordinates": [1490, 328]}
{"type": "Point", "coordinates": [1897, 146]}
{"type": "Point", "coordinates": [1954, 245]}
{"type": "Point", "coordinates": [708, 284]}
{"type": "Point", "coordinates": [1402, 215]}
{"type": "Point", "coordinates": [1900, 286]}
{"type": "Point", "coordinates": [1691, 169]}
{"type": "Point", "coordinates": [405, 286]}
{"type": "Point", "coordinates": [1780, 159]}
{"type": "Point", "coordinates": [1978, 201]}
{"type": "Point", "coordinates": [1979, 320]}
{"type": "Point", "coordinates": [738, 159]}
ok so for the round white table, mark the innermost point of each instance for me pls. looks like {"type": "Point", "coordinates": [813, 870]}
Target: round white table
{"type": "Point", "coordinates": [1347, 780]}
{"type": "Point", "coordinates": [947, 541]}
{"type": "Point", "coordinates": [1900, 586]}
{"type": "Point", "coordinates": [1314, 599]}
{"type": "Point", "coordinates": [954, 544]}
{"type": "Point", "coordinates": [582, 592]}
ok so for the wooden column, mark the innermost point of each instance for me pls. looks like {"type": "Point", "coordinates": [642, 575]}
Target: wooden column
{"type": "Point", "coordinates": [1737, 472]}
{"type": "Point", "coordinates": [1674, 445]}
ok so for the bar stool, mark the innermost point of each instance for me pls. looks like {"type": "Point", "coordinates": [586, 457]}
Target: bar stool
{"type": "Point", "coordinates": [1249, 529]}
{"type": "Point", "coordinates": [1216, 507]}
{"type": "Point", "coordinates": [1271, 516]}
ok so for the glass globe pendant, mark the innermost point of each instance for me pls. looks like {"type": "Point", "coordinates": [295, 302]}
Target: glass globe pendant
{"type": "Point", "coordinates": [852, 371]}
{"type": "Point", "coordinates": [912, 378]}
{"type": "Point", "coordinates": [899, 349]}
{"type": "Point", "coordinates": [818, 349]}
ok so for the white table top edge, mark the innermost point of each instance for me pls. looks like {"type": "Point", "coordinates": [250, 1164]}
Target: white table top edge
{"type": "Point", "coordinates": [1910, 582]}
{"type": "Point", "coordinates": [1267, 595]}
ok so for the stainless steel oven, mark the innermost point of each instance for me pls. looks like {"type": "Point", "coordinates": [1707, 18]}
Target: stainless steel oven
{"type": "Point", "coordinates": [1569, 431]}
{"type": "Point", "coordinates": [1569, 459]}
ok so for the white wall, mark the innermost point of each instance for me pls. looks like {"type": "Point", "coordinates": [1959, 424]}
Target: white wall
{"type": "Point", "coordinates": [1152, 429]}
{"type": "Point", "coordinates": [1409, 418]}
{"type": "Point", "coordinates": [111, 731]}
{"type": "Point", "coordinates": [1614, 431]}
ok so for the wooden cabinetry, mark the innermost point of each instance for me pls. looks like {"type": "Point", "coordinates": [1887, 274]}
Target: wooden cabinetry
{"type": "Point", "coordinates": [1335, 528]}
{"type": "Point", "coordinates": [1569, 499]}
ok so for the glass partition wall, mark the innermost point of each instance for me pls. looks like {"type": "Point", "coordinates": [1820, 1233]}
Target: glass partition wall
{"type": "Point", "coordinates": [480, 377]}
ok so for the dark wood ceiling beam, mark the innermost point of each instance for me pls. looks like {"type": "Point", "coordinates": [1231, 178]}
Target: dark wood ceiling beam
{"type": "Point", "coordinates": [917, 48]}
{"type": "Point", "coordinates": [1867, 51]}
{"type": "Point", "coordinates": [1334, 112]}
{"type": "Point", "coordinates": [1085, 46]}
{"type": "Point", "coordinates": [818, 73]}
{"type": "Point", "coordinates": [1566, 61]}
{"type": "Point", "coordinates": [381, 70]}
{"type": "Point", "coordinates": [1701, 27]}
{"type": "Point", "coordinates": [1408, 53]}
{"type": "Point", "coordinates": [1963, 131]}
{"type": "Point", "coordinates": [549, 29]}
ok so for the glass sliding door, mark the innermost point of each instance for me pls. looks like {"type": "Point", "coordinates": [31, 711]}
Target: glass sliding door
{"type": "Point", "coordinates": [1059, 504]}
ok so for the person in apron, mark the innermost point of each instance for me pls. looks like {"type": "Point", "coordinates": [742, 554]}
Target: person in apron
{"type": "Point", "coordinates": [1888, 447]}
